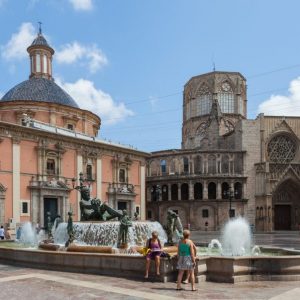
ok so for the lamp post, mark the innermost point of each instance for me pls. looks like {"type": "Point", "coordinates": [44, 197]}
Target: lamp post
{"type": "Point", "coordinates": [230, 194]}
{"type": "Point", "coordinates": [155, 192]}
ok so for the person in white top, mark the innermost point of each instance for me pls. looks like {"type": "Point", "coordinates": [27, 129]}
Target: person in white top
{"type": "Point", "coordinates": [2, 233]}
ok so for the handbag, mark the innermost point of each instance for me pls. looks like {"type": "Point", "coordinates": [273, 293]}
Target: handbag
{"type": "Point", "coordinates": [145, 251]}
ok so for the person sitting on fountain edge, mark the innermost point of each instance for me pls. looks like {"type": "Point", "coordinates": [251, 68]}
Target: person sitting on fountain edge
{"type": "Point", "coordinates": [155, 247]}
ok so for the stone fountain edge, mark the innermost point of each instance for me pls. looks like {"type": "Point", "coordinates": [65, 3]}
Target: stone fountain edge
{"type": "Point", "coordinates": [118, 265]}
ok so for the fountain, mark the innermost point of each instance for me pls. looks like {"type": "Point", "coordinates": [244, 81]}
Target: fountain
{"type": "Point", "coordinates": [239, 260]}
{"type": "Point", "coordinates": [29, 236]}
{"type": "Point", "coordinates": [106, 233]}
{"type": "Point", "coordinates": [236, 237]}
{"type": "Point", "coordinates": [214, 244]}
{"type": "Point", "coordinates": [94, 249]}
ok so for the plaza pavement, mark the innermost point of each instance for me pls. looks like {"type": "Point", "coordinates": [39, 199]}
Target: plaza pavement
{"type": "Point", "coordinates": [31, 284]}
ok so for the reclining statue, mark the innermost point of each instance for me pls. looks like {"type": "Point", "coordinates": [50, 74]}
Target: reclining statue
{"type": "Point", "coordinates": [92, 209]}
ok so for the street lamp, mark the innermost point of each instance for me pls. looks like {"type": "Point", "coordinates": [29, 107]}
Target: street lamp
{"type": "Point", "coordinates": [230, 194]}
{"type": "Point", "coordinates": [155, 191]}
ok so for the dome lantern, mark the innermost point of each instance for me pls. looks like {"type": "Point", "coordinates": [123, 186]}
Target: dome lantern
{"type": "Point", "coordinates": [40, 54]}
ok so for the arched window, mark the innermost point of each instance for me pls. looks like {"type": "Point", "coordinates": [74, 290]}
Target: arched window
{"type": "Point", "coordinates": [225, 190]}
{"type": "Point", "coordinates": [198, 164]}
{"type": "Point", "coordinates": [226, 98]}
{"type": "Point", "coordinates": [122, 175]}
{"type": "Point", "coordinates": [211, 164]}
{"type": "Point", "coordinates": [257, 212]}
{"type": "Point", "coordinates": [204, 102]}
{"type": "Point", "coordinates": [212, 191]}
{"type": "Point", "coordinates": [174, 191]}
{"type": "Point", "coordinates": [164, 193]}
{"type": "Point", "coordinates": [45, 65]}
{"type": "Point", "coordinates": [238, 190]}
{"type": "Point", "coordinates": [185, 165]}
{"type": "Point", "coordinates": [198, 191]}
{"type": "Point", "coordinates": [38, 63]}
{"type": "Point", "coordinates": [225, 164]}
{"type": "Point", "coordinates": [184, 191]}
{"type": "Point", "coordinates": [50, 166]}
{"type": "Point", "coordinates": [89, 172]}
{"type": "Point", "coordinates": [261, 212]}
{"type": "Point", "coordinates": [163, 166]}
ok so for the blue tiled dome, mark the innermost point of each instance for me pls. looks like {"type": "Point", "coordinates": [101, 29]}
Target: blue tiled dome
{"type": "Point", "coordinates": [39, 89]}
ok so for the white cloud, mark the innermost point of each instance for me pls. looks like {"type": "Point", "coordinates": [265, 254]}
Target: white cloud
{"type": "Point", "coordinates": [90, 98]}
{"type": "Point", "coordinates": [283, 105]}
{"type": "Point", "coordinates": [18, 43]}
{"type": "Point", "coordinates": [91, 56]}
{"type": "Point", "coordinates": [82, 4]}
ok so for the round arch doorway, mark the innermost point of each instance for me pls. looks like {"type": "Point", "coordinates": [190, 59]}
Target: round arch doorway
{"type": "Point", "coordinates": [286, 205]}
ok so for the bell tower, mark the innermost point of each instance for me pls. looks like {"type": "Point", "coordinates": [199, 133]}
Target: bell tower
{"type": "Point", "coordinates": [40, 54]}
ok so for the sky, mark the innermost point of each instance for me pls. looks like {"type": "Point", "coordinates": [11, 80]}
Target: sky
{"type": "Point", "coordinates": [128, 60]}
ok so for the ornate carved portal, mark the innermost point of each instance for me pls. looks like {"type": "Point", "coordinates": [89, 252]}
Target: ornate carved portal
{"type": "Point", "coordinates": [286, 205]}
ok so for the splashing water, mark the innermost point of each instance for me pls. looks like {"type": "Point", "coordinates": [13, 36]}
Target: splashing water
{"type": "Point", "coordinates": [106, 233]}
{"type": "Point", "coordinates": [29, 236]}
{"type": "Point", "coordinates": [215, 244]}
{"type": "Point", "coordinates": [236, 237]}
{"type": "Point", "coordinates": [256, 250]}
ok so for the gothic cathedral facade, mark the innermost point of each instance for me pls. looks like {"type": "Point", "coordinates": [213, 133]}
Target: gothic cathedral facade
{"type": "Point", "coordinates": [228, 165]}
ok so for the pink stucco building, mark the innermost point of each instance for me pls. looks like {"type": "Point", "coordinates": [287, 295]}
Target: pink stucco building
{"type": "Point", "coordinates": [46, 140]}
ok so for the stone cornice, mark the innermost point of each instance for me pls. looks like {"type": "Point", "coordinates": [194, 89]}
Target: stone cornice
{"type": "Point", "coordinates": [28, 133]}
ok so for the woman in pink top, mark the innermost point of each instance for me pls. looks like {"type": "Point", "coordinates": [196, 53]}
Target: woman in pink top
{"type": "Point", "coordinates": [154, 254]}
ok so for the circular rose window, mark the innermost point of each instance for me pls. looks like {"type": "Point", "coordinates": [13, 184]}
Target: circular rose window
{"type": "Point", "coordinates": [281, 149]}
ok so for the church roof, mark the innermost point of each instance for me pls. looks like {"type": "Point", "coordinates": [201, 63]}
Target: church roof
{"type": "Point", "coordinates": [40, 41]}
{"type": "Point", "coordinates": [41, 90]}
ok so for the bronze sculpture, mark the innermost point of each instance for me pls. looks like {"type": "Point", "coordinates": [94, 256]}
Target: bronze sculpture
{"type": "Point", "coordinates": [92, 209]}
{"type": "Point", "coordinates": [70, 229]}
{"type": "Point", "coordinates": [49, 225]}
{"type": "Point", "coordinates": [125, 223]}
{"type": "Point", "coordinates": [173, 224]}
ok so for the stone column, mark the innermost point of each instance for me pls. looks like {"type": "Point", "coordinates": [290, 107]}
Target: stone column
{"type": "Point", "coordinates": [192, 167]}
{"type": "Point", "coordinates": [16, 179]}
{"type": "Point", "coordinates": [143, 192]}
{"type": "Point", "coordinates": [99, 177]}
{"type": "Point", "coordinates": [205, 191]}
{"type": "Point", "coordinates": [219, 190]}
{"type": "Point", "coordinates": [191, 190]}
{"type": "Point", "coordinates": [179, 191]}
{"type": "Point", "coordinates": [169, 192]}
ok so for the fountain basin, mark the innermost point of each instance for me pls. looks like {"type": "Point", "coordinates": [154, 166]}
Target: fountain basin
{"type": "Point", "coordinates": [90, 249]}
{"type": "Point", "coordinates": [215, 268]}
{"type": "Point", "coordinates": [253, 268]}
{"type": "Point", "coordinates": [120, 265]}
